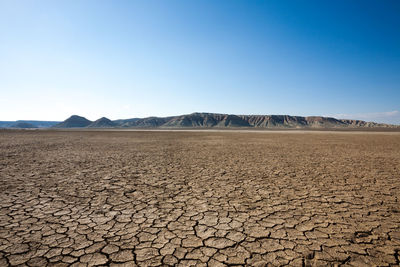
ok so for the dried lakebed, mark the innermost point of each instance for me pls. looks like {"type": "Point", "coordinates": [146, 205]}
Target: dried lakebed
{"type": "Point", "coordinates": [199, 198]}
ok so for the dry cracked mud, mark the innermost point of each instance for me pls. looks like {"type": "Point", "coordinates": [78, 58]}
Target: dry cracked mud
{"type": "Point", "coordinates": [86, 198]}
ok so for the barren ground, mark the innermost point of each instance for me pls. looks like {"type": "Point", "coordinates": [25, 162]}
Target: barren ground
{"type": "Point", "coordinates": [206, 198]}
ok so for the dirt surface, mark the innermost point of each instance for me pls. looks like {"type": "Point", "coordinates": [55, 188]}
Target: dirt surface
{"type": "Point", "coordinates": [199, 198]}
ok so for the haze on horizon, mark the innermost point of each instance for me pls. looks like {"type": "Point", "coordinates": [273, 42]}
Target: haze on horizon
{"type": "Point", "coordinates": [125, 59]}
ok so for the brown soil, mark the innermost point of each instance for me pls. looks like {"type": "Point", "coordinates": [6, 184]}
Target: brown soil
{"type": "Point", "coordinates": [199, 198]}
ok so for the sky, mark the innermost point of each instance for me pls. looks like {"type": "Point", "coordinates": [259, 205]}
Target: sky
{"type": "Point", "coordinates": [126, 59]}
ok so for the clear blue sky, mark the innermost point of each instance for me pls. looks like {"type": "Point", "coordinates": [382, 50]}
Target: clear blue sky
{"type": "Point", "coordinates": [124, 59]}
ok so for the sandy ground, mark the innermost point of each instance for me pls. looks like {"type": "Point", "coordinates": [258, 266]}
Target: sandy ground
{"type": "Point", "coordinates": [199, 198]}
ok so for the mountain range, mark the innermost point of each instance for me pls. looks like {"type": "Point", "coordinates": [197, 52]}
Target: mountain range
{"type": "Point", "coordinates": [203, 120]}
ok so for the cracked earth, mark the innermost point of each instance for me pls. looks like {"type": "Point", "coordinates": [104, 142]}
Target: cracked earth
{"type": "Point", "coordinates": [76, 198]}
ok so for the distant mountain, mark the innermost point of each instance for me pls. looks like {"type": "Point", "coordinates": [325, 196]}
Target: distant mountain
{"type": "Point", "coordinates": [35, 124]}
{"type": "Point", "coordinates": [214, 120]}
{"type": "Point", "coordinates": [102, 123]}
{"type": "Point", "coordinates": [23, 125]}
{"type": "Point", "coordinates": [74, 121]}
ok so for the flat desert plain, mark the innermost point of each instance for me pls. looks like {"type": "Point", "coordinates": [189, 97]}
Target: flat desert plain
{"type": "Point", "coordinates": [203, 198]}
